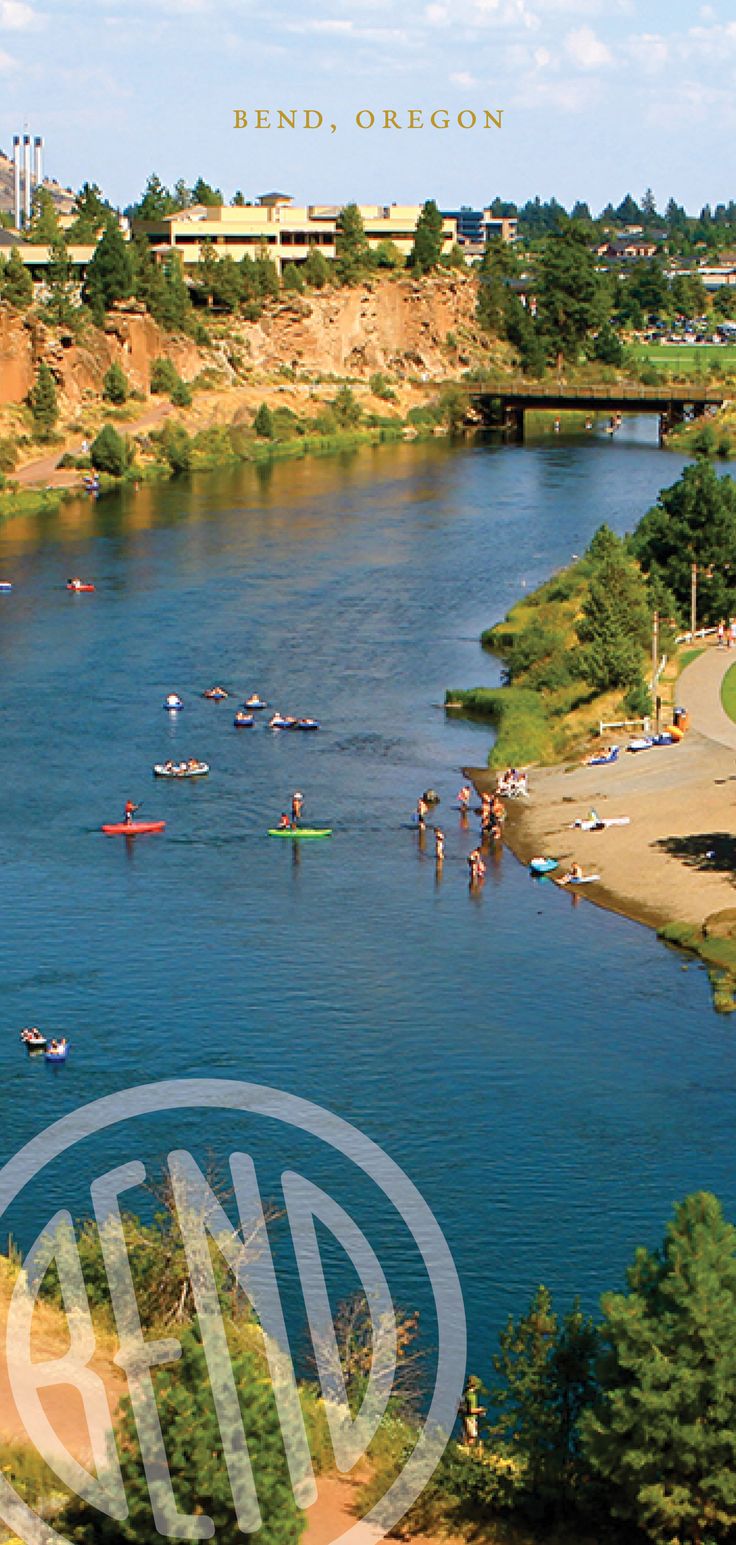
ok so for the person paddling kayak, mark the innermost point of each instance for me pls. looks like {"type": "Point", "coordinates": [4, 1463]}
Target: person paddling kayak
{"type": "Point", "coordinates": [129, 811]}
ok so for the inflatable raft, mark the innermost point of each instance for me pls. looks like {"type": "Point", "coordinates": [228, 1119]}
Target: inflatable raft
{"type": "Point", "coordinates": [543, 865]}
{"type": "Point", "coordinates": [59, 1054]}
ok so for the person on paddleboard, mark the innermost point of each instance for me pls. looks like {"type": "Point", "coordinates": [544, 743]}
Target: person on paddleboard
{"type": "Point", "coordinates": [284, 822]}
{"type": "Point", "coordinates": [129, 811]}
{"type": "Point", "coordinates": [297, 805]}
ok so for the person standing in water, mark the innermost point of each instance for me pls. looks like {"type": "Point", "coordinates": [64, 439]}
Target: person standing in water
{"type": "Point", "coordinates": [422, 808]}
{"type": "Point", "coordinates": [439, 845]}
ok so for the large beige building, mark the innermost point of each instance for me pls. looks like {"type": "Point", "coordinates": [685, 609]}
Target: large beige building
{"type": "Point", "coordinates": [286, 231]}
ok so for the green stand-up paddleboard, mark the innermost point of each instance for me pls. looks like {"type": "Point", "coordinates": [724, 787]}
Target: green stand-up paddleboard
{"type": "Point", "coordinates": [300, 831]}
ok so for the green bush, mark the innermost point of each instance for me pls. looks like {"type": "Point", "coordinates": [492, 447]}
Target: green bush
{"type": "Point", "coordinates": [181, 395]}
{"type": "Point", "coordinates": [381, 387]}
{"type": "Point", "coordinates": [176, 445]}
{"type": "Point", "coordinates": [8, 454]}
{"type": "Point", "coordinates": [109, 452]}
{"type": "Point", "coordinates": [115, 387]}
{"type": "Point", "coordinates": [164, 376]}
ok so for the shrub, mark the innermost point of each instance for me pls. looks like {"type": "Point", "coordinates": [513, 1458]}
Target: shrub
{"type": "Point", "coordinates": [164, 376]}
{"type": "Point", "coordinates": [109, 452]}
{"type": "Point", "coordinates": [263, 422]}
{"type": "Point", "coordinates": [115, 385]}
{"type": "Point", "coordinates": [177, 447]}
{"type": "Point", "coordinates": [381, 387]}
{"type": "Point", "coordinates": [293, 279]}
{"type": "Point", "coordinates": [8, 454]}
{"type": "Point", "coordinates": [181, 394]}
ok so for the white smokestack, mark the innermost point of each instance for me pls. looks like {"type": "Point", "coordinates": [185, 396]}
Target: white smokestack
{"type": "Point", "coordinates": [17, 216]}
{"type": "Point", "coordinates": [27, 178]}
{"type": "Point", "coordinates": [37, 161]}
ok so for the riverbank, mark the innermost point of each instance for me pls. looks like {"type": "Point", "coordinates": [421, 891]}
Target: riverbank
{"type": "Point", "coordinates": [673, 866]}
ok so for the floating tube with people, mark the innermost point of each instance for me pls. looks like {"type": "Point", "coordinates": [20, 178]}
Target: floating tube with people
{"type": "Point", "coordinates": [57, 1053]}
{"type": "Point", "coordinates": [173, 703]}
{"type": "Point", "coordinates": [243, 721]}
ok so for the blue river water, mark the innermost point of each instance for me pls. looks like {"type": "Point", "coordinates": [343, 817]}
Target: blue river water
{"type": "Point", "coordinates": [550, 1077]}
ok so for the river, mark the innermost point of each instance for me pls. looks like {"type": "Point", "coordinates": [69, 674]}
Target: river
{"type": "Point", "coordinates": [550, 1077]}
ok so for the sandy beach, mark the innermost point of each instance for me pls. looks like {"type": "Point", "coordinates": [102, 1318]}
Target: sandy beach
{"type": "Point", "coordinates": [676, 859]}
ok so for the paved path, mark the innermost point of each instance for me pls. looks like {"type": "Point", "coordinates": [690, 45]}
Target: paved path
{"type": "Point", "coordinates": [44, 470]}
{"type": "Point", "coordinates": [699, 691]}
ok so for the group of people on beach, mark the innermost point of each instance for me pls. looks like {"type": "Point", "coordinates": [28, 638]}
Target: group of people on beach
{"type": "Point", "coordinates": [492, 817]}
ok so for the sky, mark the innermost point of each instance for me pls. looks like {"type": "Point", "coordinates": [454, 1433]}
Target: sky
{"type": "Point", "coordinates": [599, 97]}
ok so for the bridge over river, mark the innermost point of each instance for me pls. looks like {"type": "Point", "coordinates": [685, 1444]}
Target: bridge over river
{"type": "Point", "coordinates": [504, 404]}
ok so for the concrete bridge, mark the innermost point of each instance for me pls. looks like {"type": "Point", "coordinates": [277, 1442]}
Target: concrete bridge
{"type": "Point", "coordinates": [504, 404]}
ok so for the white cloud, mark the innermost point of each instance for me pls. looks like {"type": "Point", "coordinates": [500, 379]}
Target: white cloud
{"type": "Point", "coordinates": [464, 79]}
{"type": "Point", "coordinates": [16, 16]}
{"type": "Point", "coordinates": [650, 51]}
{"type": "Point", "coordinates": [587, 50]}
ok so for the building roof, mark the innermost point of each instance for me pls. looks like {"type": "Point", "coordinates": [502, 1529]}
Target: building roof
{"type": "Point", "coordinates": [275, 198]}
{"type": "Point", "coordinates": [9, 238]}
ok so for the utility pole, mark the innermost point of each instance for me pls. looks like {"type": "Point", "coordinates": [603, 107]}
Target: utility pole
{"type": "Point", "coordinates": [655, 670]}
{"type": "Point", "coordinates": [693, 599]}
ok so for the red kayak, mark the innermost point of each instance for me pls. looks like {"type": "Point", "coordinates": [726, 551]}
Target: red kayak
{"type": "Point", "coordinates": [131, 828]}
{"type": "Point", "coordinates": [79, 589]}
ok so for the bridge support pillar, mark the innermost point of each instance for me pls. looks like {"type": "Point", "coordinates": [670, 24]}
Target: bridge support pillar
{"type": "Point", "coordinates": [672, 416]}
{"type": "Point", "coordinates": [513, 423]}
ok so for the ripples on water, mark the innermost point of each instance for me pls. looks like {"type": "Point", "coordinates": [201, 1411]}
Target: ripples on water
{"type": "Point", "coordinates": [550, 1077]}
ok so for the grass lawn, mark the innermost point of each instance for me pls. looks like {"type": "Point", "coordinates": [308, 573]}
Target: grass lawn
{"type": "Point", "coordinates": [687, 657]}
{"type": "Point", "coordinates": [728, 692]}
{"type": "Point", "coordinates": [687, 356]}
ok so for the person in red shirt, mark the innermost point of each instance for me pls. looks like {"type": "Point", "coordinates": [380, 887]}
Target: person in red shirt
{"type": "Point", "coordinates": [129, 812]}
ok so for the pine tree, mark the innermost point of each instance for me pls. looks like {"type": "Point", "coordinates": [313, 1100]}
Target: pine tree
{"type": "Point", "coordinates": [109, 452]}
{"type": "Point", "coordinates": [293, 279]}
{"type": "Point", "coordinates": [546, 1377]}
{"type": "Point", "coordinates": [156, 202]}
{"type": "Point", "coordinates": [91, 213]}
{"type": "Point", "coordinates": [569, 297]}
{"type": "Point", "coordinates": [266, 276]}
{"type": "Point", "coordinates": [43, 402]}
{"type": "Point", "coordinates": [428, 238]}
{"type": "Point", "coordinates": [203, 193]}
{"type": "Point", "coordinates": [59, 304]}
{"type": "Point", "coordinates": [115, 385]}
{"type": "Point", "coordinates": [693, 521]}
{"type": "Point", "coordinates": [615, 625]}
{"type": "Point", "coordinates": [316, 269]}
{"type": "Point", "coordinates": [662, 1436]}
{"type": "Point", "coordinates": [44, 225]}
{"type": "Point", "coordinates": [110, 273]}
{"type": "Point", "coordinates": [263, 422]}
{"type": "Point", "coordinates": [352, 253]}
{"type": "Point", "coordinates": [16, 285]}
{"type": "Point", "coordinates": [194, 1447]}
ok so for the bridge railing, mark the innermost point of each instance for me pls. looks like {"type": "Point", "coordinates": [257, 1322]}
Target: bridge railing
{"type": "Point", "coordinates": [521, 386]}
